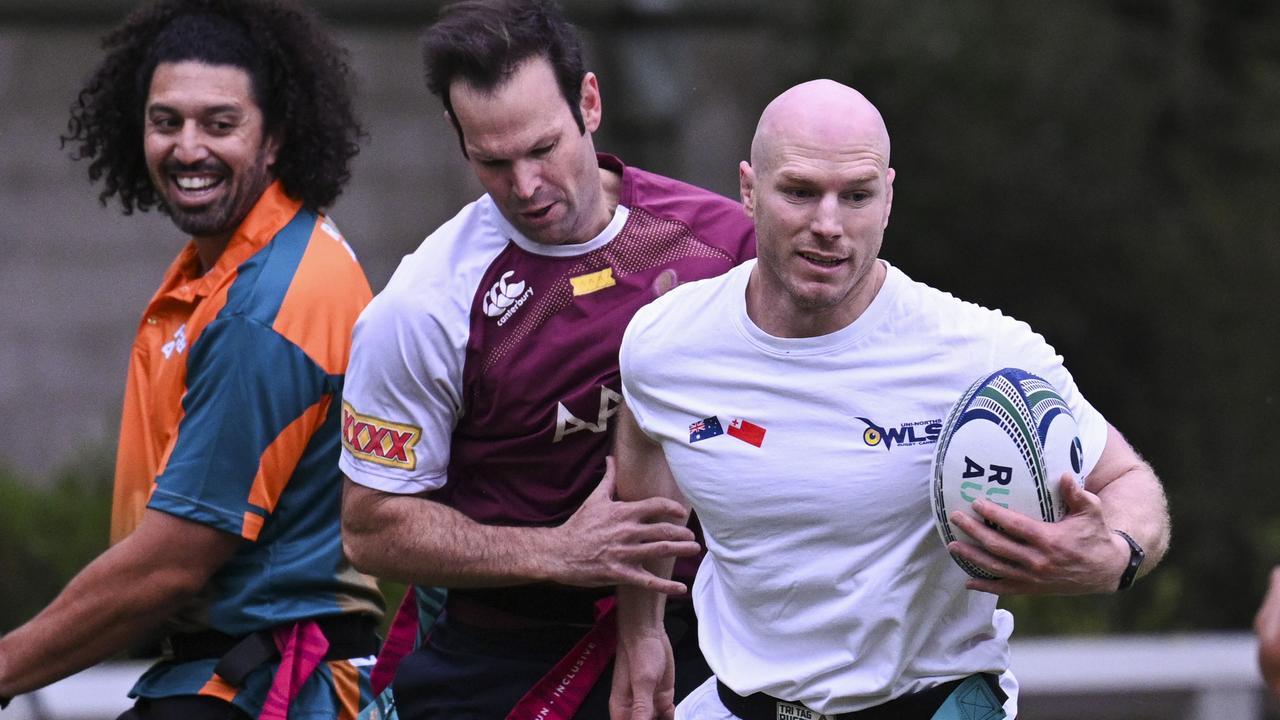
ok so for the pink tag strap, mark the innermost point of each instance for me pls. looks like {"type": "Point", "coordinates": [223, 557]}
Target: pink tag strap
{"type": "Point", "coordinates": [302, 648]}
{"type": "Point", "coordinates": [559, 694]}
{"type": "Point", "coordinates": [402, 636]}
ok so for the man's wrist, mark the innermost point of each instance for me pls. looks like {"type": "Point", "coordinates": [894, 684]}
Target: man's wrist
{"type": "Point", "coordinates": [1136, 556]}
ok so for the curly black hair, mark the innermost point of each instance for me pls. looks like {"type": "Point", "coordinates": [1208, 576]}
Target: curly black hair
{"type": "Point", "coordinates": [300, 78]}
{"type": "Point", "coordinates": [483, 43]}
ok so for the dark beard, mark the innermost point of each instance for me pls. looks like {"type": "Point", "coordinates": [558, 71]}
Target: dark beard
{"type": "Point", "coordinates": [223, 217]}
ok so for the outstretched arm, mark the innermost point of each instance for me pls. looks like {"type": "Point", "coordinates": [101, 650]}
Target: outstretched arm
{"type": "Point", "coordinates": [115, 601]}
{"type": "Point", "coordinates": [605, 542]}
{"type": "Point", "coordinates": [1081, 553]}
{"type": "Point", "coordinates": [644, 670]}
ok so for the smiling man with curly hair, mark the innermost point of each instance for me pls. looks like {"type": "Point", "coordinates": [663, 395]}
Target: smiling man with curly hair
{"type": "Point", "coordinates": [234, 118]}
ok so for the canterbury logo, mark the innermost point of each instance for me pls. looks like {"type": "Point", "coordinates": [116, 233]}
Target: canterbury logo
{"type": "Point", "coordinates": [379, 441]}
{"type": "Point", "coordinates": [505, 298]}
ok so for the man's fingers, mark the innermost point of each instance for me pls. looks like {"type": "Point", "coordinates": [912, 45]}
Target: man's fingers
{"type": "Point", "coordinates": [607, 483]}
{"type": "Point", "coordinates": [641, 708]}
{"type": "Point", "coordinates": [1077, 499]}
{"type": "Point", "coordinates": [657, 509]}
{"type": "Point", "coordinates": [663, 549]}
{"type": "Point", "coordinates": [1004, 542]}
{"type": "Point", "coordinates": [1012, 524]}
{"type": "Point", "coordinates": [646, 532]}
{"type": "Point", "coordinates": [648, 581]}
{"type": "Point", "coordinates": [991, 562]}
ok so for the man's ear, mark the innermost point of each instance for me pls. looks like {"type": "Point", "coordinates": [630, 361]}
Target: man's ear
{"type": "Point", "coordinates": [888, 205]}
{"type": "Point", "coordinates": [589, 103]}
{"type": "Point", "coordinates": [747, 187]}
{"type": "Point", "coordinates": [271, 145]}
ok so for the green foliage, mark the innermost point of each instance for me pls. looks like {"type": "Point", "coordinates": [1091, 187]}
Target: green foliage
{"type": "Point", "coordinates": [47, 534]}
{"type": "Point", "coordinates": [393, 593]}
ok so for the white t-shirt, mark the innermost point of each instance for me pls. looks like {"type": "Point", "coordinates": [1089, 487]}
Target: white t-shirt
{"type": "Point", "coordinates": [825, 582]}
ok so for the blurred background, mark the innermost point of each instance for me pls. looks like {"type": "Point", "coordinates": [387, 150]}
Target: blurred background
{"type": "Point", "coordinates": [1106, 170]}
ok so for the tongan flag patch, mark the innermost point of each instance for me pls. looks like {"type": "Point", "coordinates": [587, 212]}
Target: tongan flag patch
{"type": "Point", "coordinates": [705, 428]}
{"type": "Point", "coordinates": [746, 431]}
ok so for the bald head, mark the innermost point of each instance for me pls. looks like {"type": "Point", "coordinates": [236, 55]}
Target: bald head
{"type": "Point", "coordinates": [818, 114]}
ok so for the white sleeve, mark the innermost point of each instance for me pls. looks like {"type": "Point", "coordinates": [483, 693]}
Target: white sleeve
{"type": "Point", "coordinates": [631, 368]}
{"type": "Point", "coordinates": [1017, 345]}
{"type": "Point", "coordinates": [403, 394]}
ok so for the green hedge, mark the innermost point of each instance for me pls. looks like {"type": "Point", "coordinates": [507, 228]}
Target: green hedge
{"type": "Point", "coordinates": [48, 533]}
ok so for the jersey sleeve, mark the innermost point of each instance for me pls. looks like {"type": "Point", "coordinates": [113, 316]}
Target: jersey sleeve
{"type": "Point", "coordinates": [1023, 348]}
{"type": "Point", "coordinates": [402, 398]}
{"type": "Point", "coordinates": [250, 391]}
{"type": "Point", "coordinates": [631, 367]}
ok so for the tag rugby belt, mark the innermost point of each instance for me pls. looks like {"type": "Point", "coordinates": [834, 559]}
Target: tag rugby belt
{"type": "Point", "coordinates": [349, 636]}
{"type": "Point", "coordinates": [923, 705]}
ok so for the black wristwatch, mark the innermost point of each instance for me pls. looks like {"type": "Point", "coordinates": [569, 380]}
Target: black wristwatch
{"type": "Point", "coordinates": [1136, 556]}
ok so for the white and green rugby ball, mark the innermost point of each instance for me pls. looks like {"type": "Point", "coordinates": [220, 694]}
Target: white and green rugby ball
{"type": "Point", "coordinates": [1008, 439]}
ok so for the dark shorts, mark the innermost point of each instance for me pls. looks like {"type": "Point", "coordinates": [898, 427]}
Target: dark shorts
{"type": "Point", "coordinates": [469, 673]}
{"type": "Point", "coordinates": [184, 707]}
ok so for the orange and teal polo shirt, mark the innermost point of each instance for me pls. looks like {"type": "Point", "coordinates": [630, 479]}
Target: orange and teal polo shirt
{"type": "Point", "coordinates": [232, 420]}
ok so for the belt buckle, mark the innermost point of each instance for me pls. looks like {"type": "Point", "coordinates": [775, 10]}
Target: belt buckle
{"type": "Point", "coordinates": [796, 711]}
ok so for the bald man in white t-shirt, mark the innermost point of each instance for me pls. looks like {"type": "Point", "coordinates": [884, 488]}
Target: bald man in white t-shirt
{"type": "Point", "coordinates": [825, 589]}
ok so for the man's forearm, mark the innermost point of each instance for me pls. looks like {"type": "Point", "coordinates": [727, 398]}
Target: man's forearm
{"type": "Point", "coordinates": [605, 542]}
{"type": "Point", "coordinates": [1134, 501]}
{"type": "Point", "coordinates": [104, 610]}
{"type": "Point", "coordinates": [418, 541]}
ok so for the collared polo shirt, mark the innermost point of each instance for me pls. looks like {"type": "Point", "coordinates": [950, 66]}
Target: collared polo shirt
{"type": "Point", "coordinates": [231, 419]}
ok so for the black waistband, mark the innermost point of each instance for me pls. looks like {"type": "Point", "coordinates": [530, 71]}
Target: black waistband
{"type": "Point", "coordinates": [913, 706]}
{"type": "Point", "coordinates": [544, 603]}
{"type": "Point", "coordinates": [348, 635]}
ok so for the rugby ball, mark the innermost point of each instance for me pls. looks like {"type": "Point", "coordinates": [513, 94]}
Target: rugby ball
{"type": "Point", "coordinates": [1008, 439]}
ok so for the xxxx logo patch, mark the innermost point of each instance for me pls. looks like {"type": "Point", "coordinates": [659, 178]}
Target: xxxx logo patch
{"type": "Point", "coordinates": [380, 441]}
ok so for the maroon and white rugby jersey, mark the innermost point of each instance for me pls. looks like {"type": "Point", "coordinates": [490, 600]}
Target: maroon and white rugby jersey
{"type": "Point", "coordinates": [487, 370]}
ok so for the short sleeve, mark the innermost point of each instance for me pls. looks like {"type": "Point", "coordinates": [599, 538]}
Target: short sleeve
{"type": "Point", "coordinates": [631, 367]}
{"type": "Point", "coordinates": [402, 397]}
{"type": "Point", "coordinates": [1020, 346]}
{"type": "Point", "coordinates": [245, 385]}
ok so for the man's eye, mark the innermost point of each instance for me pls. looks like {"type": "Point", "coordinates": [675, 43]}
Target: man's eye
{"type": "Point", "coordinates": [544, 150]}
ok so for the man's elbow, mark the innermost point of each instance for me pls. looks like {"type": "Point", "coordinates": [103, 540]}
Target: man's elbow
{"type": "Point", "coordinates": [359, 542]}
{"type": "Point", "coordinates": [357, 547]}
{"type": "Point", "coordinates": [171, 588]}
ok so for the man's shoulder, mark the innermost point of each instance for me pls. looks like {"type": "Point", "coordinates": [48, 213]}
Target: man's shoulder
{"type": "Point", "coordinates": [306, 268]}
{"type": "Point", "coordinates": [471, 237]}
{"type": "Point", "coordinates": [922, 295]}
{"type": "Point", "coordinates": [694, 206]}
{"type": "Point", "coordinates": [921, 308]}
{"type": "Point", "coordinates": [647, 189]}
{"type": "Point", "coordinates": [689, 302]}
{"type": "Point", "coordinates": [441, 277]}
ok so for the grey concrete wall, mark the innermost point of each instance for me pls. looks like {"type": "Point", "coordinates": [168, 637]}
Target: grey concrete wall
{"type": "Point", "coordinates": [74, 276]}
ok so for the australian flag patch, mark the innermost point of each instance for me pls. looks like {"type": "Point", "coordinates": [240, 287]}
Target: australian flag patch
{"type": "Point", "coordinates": [705, 428]}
